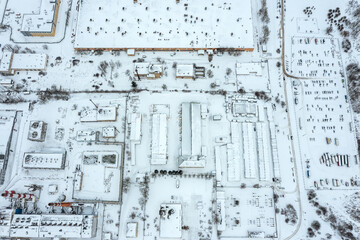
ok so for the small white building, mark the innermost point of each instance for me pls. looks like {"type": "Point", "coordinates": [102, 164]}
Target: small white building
{"type": "Point", "coordinates": [109, 132]}
{"type": "Point", "coordinates": [170, 220]}
{"type": "Point", "coordinates": [37, 131]}
{"type": "Point", "coordinates": [132, 230]}
{"type": "Point", "coordinates": [148, 70]}
{"type": "Point", "coordinates": [255, 68]}
{"type": "Point", "coordinates": [100, 114]}
{"type": "Point", "coordinates": [5, 62]}
{"type": "Point", "coordinates": [87, 136]}
{"type": "Point", "coordinates": [185, 71]}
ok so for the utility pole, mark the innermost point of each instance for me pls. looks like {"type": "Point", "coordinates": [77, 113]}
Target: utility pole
{"type": "Point", "coordinates": [137, 73]}
{"type": "Point", "coordinates": [94, 103]}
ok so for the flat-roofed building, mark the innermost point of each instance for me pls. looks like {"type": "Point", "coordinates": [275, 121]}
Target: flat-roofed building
{"type": "Point", "coordinates": [47, 225]}
{"type": "Point", "coordinates": [165, 26]}
{"type": "Point", "coordinates": [191, 136]}
{"type": "Point", "coordinates": [29, 62]}
{"type": "Point", "coordinates": [132, 230]}
{"type": "Point", "coordinates": [5, 62]}
{"type": "Point", "coordinates": [148, 70]}
{"type": "Point", "coordinates": [99, 114]}
{"type": "Point", "coordinates": [8, 121]}
{"type": "Point", "coordinates": [135, 134]}
{"type": "Point", "coordinates": [44, 160]}
{"type": "Point", "coordinates": [12, 62]}
{"type": "Point", "coordinates": [159, 139]}
{"type": "Point", "coordinates": [185, 71]}
{"type": "Point", "coordinates": [42, 23]}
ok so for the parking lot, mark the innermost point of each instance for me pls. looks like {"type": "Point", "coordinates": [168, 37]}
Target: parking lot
{"type": "Point", "coordinates": [315, 57]}
{"type": "Point", "coordinates": [326, 129]}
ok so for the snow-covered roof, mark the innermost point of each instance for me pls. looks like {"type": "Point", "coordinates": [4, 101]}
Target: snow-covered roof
{"type": "Point", "coordinates": [155, 68]}
{"type": "Point", "coordinates": [191, 129]}
{"type": "Point", "coordinates": [170, 220]}
{"type": "Point", "coordinates": [99, 114]}
{"type": "Point", "coordinates": [5, 222]}
{"type": "Point", "coordinates": [244, 108]}
{"type": "Point", "coordinates": [6, 124]}
{"type": "Point", "coordinates": [131, 230]}
{"type": "Point", "coordinates": [165, 25]}
{"type": "Point", "coordinates": [18, 229]}
{"type": "Point", "coordinates": [44, 160]}
{"type": "Point", "coordinates": [108, 132]}
{"type": "Point", "coordinates": [29, 61]}
{"type": "Point", "coordinates": [135, 134]}
{"type": "Point", "coordinates": [142, 68]}
{"type": "Point", "coordinates": [249, 68]}
{"type": "Point", "coordinates": [249, 150]}
{"type": "Point", "coordinates": [159, 139]}
{"type": "Point", "coordinates": [42, 21]}
{"type": "Point", "coordinates": [87, 136]}
{"type": "Point", "coordinates": [5, 62]}
{"type": "Point", "coordinates": [50, 226]}
{"type": "Point", "coordinates": [185, 70]}
{"type": "Point", "coordinates": [147, 69]}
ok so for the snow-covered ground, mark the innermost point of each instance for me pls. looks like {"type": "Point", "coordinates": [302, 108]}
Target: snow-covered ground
{"type": "Point", "coordinates": [273, 150]}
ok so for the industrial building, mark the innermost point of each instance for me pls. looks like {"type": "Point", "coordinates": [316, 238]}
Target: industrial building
{"type": "Point", "coordinates": [11, 62]}
{"type": "Point", "coordinates": [46, 225]}
{"type": "Point", "coordinates": [135, 134]}
{"type": "Point", "coordinates": [252, 153]}
{"type": "Point", "coordinates": [37, 131]}
{"type": "Point", "coordinates": [159, 139]}
{"type": "Point", "coordinates": [192, 149]}
{"type": "Point", "coordinates": [167, 26]}
{"type": "Point", "coordinates": [44, 160]}
{"type": "Point", "coordinates": [42, 23]}
{"type": "Point", "coordinates": [8, 121]}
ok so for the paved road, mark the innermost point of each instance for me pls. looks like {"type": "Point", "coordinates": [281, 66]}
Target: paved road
{"type": "Point", "coordinates": [287, 75]}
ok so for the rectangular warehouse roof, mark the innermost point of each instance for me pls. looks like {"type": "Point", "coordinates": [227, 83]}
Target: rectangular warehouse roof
{"type": "Point", "coordinates": [183, 25]}
{"type": "Point", "coordinates": [159, 139]}
{"type": "Point", "coordinates": [29, 62]}
{"type": "Point", "coordinates": [44, 160]}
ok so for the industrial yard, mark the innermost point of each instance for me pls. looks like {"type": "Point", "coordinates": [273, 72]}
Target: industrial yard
{"type": "Point", "coordinates": [187, 120]}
